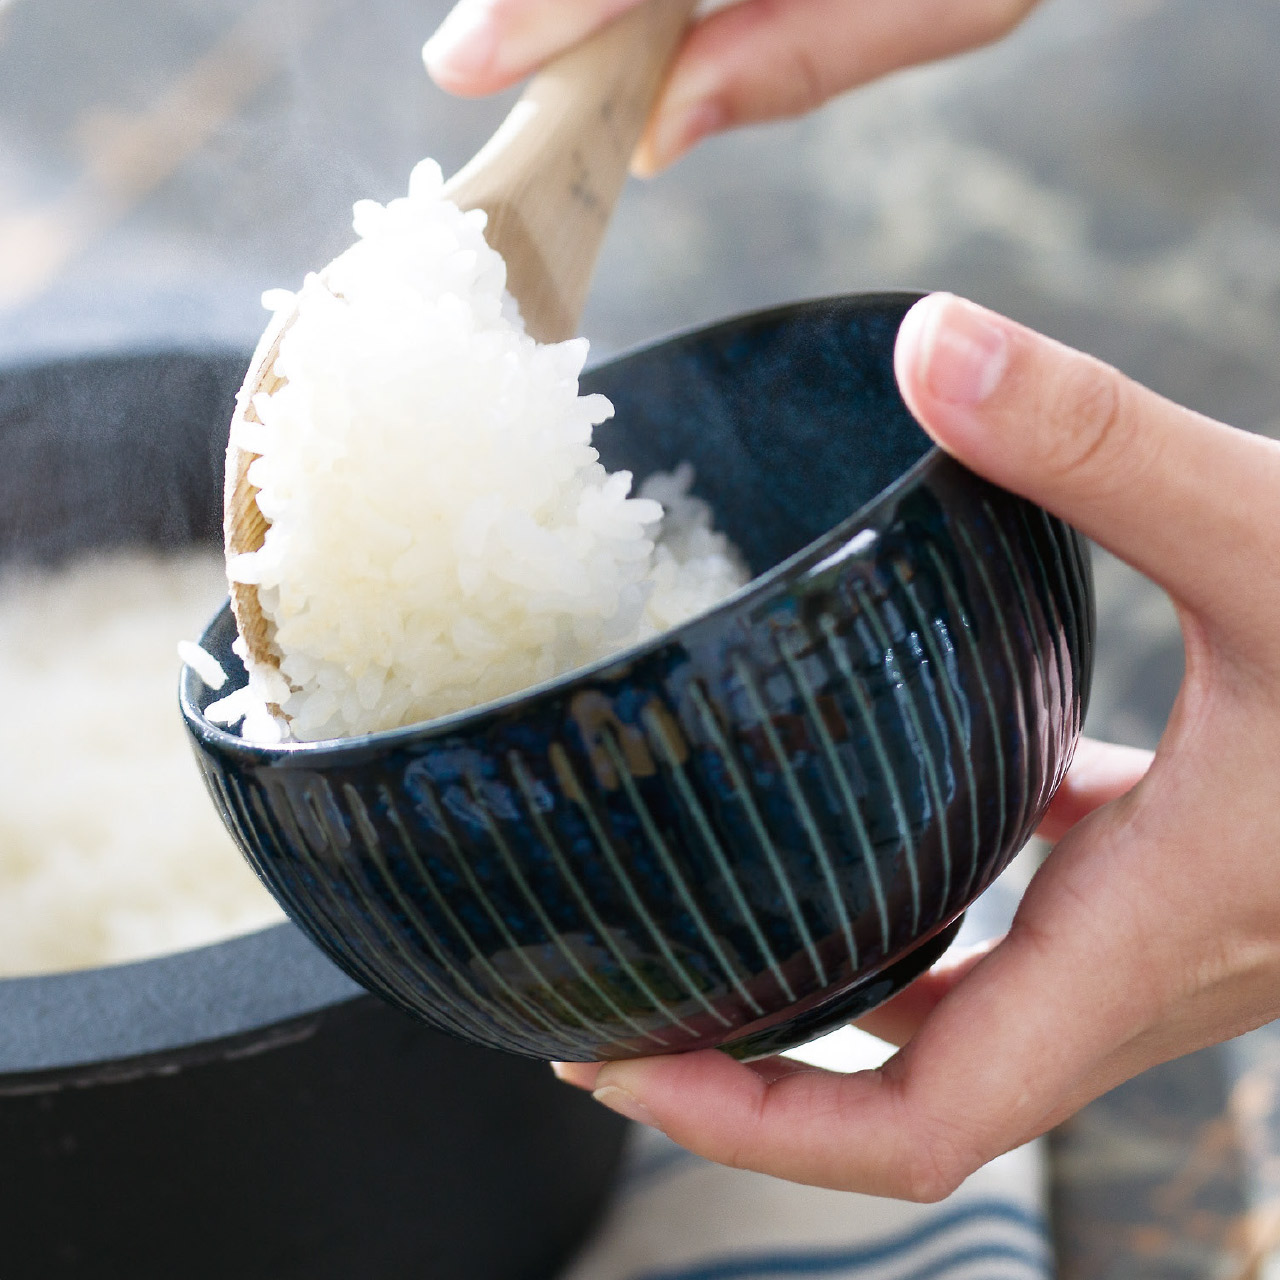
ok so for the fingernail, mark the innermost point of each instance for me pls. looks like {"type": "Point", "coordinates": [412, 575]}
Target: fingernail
{"type": "Point", "coordinates": [582, 1075]}
{"type": "Point", "coordinates": [687, 111]}
{"type": "Point", "coordinates": [961, 349]}
{"type": "Point", "coordinates": [674, 132]}
{"type": "Point", "coordinates": [625, 1104]}
{"type": "Point", "coordinates": [464, 45]}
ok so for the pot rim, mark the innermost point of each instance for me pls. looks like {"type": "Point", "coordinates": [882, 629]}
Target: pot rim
{"type": "Point", "coordinates": [88, 1025]}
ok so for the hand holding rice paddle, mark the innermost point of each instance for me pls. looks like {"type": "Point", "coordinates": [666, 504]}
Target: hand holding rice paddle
{"type": "Point", "coordinates": [546, 183]}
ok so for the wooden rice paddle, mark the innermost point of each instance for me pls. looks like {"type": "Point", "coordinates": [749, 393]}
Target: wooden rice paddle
{"type": "Point", "coordinates": [548, 179]}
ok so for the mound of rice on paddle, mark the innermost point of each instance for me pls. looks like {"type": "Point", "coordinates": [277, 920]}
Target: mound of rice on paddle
{"type": "Point", "coordinates": [441, 530]}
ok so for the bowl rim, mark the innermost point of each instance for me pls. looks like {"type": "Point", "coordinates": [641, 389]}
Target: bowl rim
{"type": "Point", "coordinates": [758, 589]}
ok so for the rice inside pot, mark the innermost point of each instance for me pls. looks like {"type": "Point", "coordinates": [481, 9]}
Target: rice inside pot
{"type": "Point", "coordinates": [109, 848]}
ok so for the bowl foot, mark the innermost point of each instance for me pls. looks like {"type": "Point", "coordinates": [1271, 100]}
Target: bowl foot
{"type": "Point", "coordinates": [850, 1004]}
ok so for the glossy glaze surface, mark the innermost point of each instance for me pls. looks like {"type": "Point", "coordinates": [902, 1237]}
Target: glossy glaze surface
{"type": "Point", "coordinates": [737, 834]}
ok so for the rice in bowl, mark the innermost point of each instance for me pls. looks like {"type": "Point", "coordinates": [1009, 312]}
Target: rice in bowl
{"type": "Point", "coordinates": [441, 530]}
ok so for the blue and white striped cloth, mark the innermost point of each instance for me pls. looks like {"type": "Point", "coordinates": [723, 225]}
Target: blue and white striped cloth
{"type": "Point", "coordinates": [678, 1217]}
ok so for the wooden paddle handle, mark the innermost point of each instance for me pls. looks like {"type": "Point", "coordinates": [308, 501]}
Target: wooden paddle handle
{"type": "Point", "coordinates": [550, 176]}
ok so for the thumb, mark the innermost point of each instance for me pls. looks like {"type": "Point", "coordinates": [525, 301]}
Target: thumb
{"type": "Point", "coordinates": [1178, 496]}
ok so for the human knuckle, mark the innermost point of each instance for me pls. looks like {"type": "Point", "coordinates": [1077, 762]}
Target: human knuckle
{"type": "Point", "coordinates": [807, 84]}
{"type": "Point", "coordinates": [810, 84]}
{"type": "Point", "coordinates": [740, 1149]}
{"type": "Point", "coordinates": [1088, 422]}
{"type": "Point", "coordinates": [738, 1153]}
{"type": "Point", "coordinates": [938, 1158]}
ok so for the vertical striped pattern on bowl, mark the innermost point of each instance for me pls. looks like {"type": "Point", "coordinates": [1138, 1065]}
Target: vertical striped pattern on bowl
{"type": "Point", "coordinates": [755, 828]}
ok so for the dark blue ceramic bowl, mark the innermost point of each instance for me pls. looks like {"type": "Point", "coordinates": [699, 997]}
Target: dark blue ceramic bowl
{"type": "Point", "coordinates": [754, 827]}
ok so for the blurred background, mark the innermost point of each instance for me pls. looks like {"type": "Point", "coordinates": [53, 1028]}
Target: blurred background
{"type": "Point", "coordinates": [1106, 175]}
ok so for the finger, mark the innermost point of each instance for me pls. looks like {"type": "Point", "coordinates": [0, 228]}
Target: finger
{"type": "Point", "coordinates": [486, 45]}
{"type": "Point", "coordinates": [1032, 1030]}
{"type": "Point", "coordinates": [1187, 501]}
{"type": "Point", "coordinates": [898, 1019]}
{"type": "Point", "coordinates": [1100, 773]}
{"type": "Point", "coordinates": [811, 1126]}
{"type": "Point", "coordinates": [894, 1022]}
{"type": "Point", "coordinates": [764, 59]}
{"type": "Point", "coordinates": [750, 61]}
{"type": "Point", "coordinates": [582, 1075]}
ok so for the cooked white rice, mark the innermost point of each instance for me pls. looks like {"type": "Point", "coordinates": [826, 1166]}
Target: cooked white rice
{"type": "Point", "coordinates": [110, 849]}
{"type": "Point", "coordinates": [441, 530]}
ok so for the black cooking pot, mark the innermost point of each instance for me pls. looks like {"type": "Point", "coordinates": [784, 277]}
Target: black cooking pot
{"type": "Point", "coordinates": [243, 1109]}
